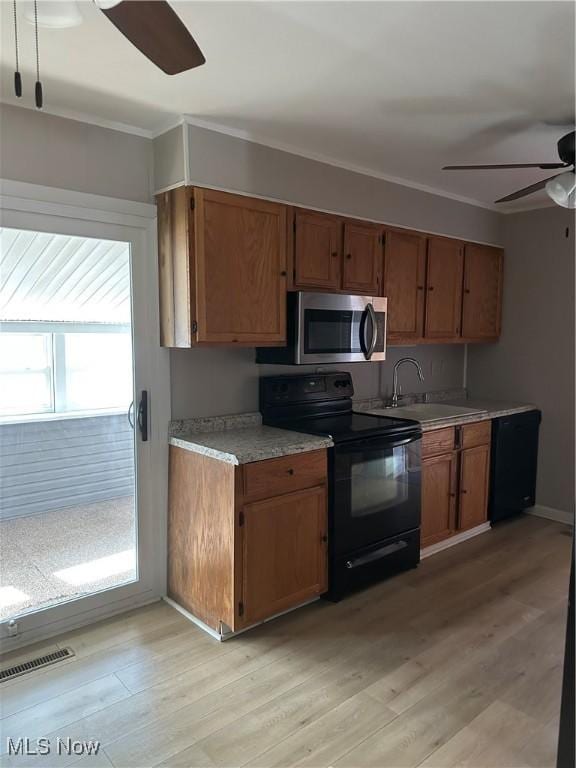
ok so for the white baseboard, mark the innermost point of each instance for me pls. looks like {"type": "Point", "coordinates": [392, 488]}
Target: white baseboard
{"type": "Point", "coordinates": [559, 515]}
{"type": "Point", "coordinates": [454, 540]}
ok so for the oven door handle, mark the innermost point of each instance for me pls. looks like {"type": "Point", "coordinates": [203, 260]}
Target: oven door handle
{"type": "Point", "coordinates": [368, 351]}
{"type": "Point", "coordinates": [381, 444]}
{"type": "Point", "coordinates": [377, 554]}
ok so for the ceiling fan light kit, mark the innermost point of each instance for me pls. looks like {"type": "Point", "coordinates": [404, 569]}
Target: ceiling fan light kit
{"type": "Point", "coordinates": [562, 189]}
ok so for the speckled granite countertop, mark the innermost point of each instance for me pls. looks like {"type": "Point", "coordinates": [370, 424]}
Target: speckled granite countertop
{"type": "Point", "coordinates": [485, 410]}
{"type": "Point", "coordinates": [241, 445]}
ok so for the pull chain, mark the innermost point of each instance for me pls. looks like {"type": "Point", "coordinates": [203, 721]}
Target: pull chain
{"type": "Point", "coordinates": [38, 88]}
{"type": "Point", "coordinates": [17, 76]}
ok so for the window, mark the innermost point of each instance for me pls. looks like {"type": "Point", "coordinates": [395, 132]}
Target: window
{"type": "Point", "coordinates": [64, 372]}
{"type": "Point", "coordinates": [25, 373]}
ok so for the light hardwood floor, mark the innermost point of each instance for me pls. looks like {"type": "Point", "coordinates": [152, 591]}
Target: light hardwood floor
{"type": "Point", "coordinates": [456, 663]}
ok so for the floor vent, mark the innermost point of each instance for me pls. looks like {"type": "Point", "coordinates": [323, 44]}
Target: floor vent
{"type": "Point", "coordinates": [38, 663]}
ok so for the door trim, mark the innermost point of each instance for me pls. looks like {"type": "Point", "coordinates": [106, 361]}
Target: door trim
{"type": "Point", "coordinates": [31, 206]}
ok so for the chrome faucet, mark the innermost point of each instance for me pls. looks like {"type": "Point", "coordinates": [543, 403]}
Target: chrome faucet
{"type": "Point", "coordinates": [394, 403]}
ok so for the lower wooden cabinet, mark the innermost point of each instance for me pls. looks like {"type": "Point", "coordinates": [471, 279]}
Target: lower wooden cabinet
{"type": "Point", "coordinates": [284, 552]}
{"type": "Point", "coordinates": [246, 542]}
{"type": "Point", "coordinates": [439, 492]}
{"type": "Point", "coordinates": [474, 477]}
{"type": "Point", "coordinates": [455, 478]}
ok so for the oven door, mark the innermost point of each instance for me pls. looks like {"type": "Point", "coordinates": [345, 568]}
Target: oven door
{"type": "Point", "coordinates": [375, 491]}
{"type": "Point", "coordinates": [340, 329]}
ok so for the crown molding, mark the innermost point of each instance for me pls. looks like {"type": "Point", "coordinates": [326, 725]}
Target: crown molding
{"type": "Point", "coordinates": [328, 160]}
{"type": "Point", "coordinates": [81, 117]}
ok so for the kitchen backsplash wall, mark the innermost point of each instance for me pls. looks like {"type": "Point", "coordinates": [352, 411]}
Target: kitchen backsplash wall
{"type": "Point", "coordinates": [211, 382]}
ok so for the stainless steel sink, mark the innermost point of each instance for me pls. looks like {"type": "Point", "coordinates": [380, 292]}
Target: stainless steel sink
{"type": "Point", "coordinates": [425, 412]}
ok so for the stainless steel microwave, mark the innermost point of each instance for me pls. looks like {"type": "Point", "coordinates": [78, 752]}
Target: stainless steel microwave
{"type": "Point", "coordinates": [330, 328]}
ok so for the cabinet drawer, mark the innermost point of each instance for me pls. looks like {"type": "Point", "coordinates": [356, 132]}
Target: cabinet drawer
{"type": "Point", "coordinates": [476, 434]}
{"type": "Point", "coordinates": [264, 479]}
{"type": "Point", "coordinates": [438, 441]}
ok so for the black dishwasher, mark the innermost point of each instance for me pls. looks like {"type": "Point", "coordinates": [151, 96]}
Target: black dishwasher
{"type": "Point", "coordinates": [514, 460]}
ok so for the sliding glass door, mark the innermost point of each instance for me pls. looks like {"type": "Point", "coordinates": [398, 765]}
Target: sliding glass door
{"type": "Point", "coordinates": [76, 461]}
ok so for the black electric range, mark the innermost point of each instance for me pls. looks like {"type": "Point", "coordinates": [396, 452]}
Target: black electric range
{"type": "Point", "coordinates": [374, 475]}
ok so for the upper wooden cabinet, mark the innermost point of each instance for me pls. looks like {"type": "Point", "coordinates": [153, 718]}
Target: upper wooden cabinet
{"type": "Point", "coordinates": [444, 288]}
{"type": "Point", "coordinates": [317, 250]}
{"type": "Point", "coordinates": [335, 254]}
{"type": "Point", "coordinates": [481, 307]}
{"type": "Point", "coordinates": [222, 264]}
{"type": "Point", "coordinates": [227, 261]}
{"type": "Point", "coordinates": [362, 258]}
{"type": "Point", "coordinates": [404, 284]}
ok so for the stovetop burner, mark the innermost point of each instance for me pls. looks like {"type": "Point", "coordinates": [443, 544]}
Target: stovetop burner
{"type": "Point", "coordinates": [321, 404]}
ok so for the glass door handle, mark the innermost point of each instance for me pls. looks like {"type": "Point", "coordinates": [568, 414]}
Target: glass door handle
{"type": "Point", "coordinates": [143, 415]}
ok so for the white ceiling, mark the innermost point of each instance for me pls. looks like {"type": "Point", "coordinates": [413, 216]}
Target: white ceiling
{"type": "Point", "coordinates": [60, 278]}
{"type": "Point", "coordinates": [396, 88]}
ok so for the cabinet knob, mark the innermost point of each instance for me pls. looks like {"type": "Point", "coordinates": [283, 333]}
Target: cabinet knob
{"type": "Point", "coordinates": [324, 539]}
{"type": "Point", "coordinates": [283, 273]}
{"type": "Point", "coordinates": [463, 490]}
{"type": "Point", "coordinates": [420, 287]}
{"type": "Point", "coordinates": [466, 290]}
{"type": "Point", "coordinates": [290, 471]}
{"type": "Point", "coordinates": [452, 495]}
{"type": "Point", "coordinates": [334, 254]}
{"type": "Point", "coordinates": [430, 287]}
{"type": "Point", "coordinates": [348, 255]}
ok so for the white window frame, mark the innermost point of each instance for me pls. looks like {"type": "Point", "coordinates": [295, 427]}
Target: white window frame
{"type": "Point", "coordinates": [56, 370]}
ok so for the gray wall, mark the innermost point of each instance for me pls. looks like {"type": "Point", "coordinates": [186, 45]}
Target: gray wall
{"type": "Point", "coordinates": [534, 361]}
{"type": "Point", "coordinates": [48, 465]}
{"type": "Point", "coordinates": [209, 382]}
{"type": "Point", "coordinates": [169, 158]}
{"type": "Point", "coordinates": [226, 162]}
{"type": "Point", "coordinates": [39, 148]}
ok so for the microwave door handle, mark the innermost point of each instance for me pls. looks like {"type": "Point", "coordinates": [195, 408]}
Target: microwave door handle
{"type": "Point", "coordinates": [372, 347]}
{"type": "Point", "coordinates": [362, 333]}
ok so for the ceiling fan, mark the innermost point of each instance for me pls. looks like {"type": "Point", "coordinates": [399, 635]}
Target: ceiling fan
{"type": "Point", "coordinates": [561, 187]}
{"type": "Point", "coordinates": [152, 26]}
{"type": "Point", "coordinates": [157, 31]}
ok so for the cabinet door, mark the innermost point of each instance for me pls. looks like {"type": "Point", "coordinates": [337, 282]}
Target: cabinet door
{"type": "Point", "coordinates": [284, 552]}
{"type": "Point", "coordinates": [444, 288]}
{"type": "Point", "coordinates": [240, 269]}
{"type": "Point", "coordinates": [439, 479]}
{"type": "Point", "coordinates": [317, 250]}
{"type": "Point", "coordinates": [474, 475]}
{"type": "Point", "coordinates": [481, 306]}
{"type": "Point", "coordinates": [404, 283]}
{"type": "Point", "coordinates": [362, 258]}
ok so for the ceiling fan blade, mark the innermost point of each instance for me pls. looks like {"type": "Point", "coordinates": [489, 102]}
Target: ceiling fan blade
{"type": "Point", "coordinates": [544, 166]}
{"type": "Point", "coordinates": [158, 32]}
{"type": "Point", "coordinates": [526, 190]}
